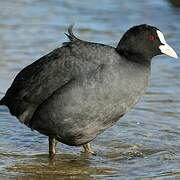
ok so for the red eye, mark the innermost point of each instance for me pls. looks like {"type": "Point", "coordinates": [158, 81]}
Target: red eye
{"type": "Point", "coordinates": [151, 38]}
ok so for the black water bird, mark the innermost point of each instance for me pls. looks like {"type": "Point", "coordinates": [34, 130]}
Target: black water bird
{"type": "Point", "coordinates": [79, 90]}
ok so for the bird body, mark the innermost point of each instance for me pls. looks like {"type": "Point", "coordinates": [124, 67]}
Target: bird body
{"type": "Point", "coordinates": [93, 101]}
{"type": "Point", "coordinates": [79, 90]}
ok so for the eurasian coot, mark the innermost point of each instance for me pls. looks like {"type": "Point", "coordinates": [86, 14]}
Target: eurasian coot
{"type": "Point", "coordinates": [79, 90]}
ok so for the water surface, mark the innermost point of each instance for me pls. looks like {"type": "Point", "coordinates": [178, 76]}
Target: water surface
{"type": "Point", "coordinates": [143, 144]}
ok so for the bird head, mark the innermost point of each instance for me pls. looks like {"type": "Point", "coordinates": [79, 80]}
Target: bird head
{"type": "Point", "coordinates": [145, 41]}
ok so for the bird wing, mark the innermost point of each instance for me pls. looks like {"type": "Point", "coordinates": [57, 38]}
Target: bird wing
{"type": "Point", "coordinates": [35, 83]}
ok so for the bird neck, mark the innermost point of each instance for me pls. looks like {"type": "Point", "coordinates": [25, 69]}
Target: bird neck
{"type": "Point", "coordinates": [134, 56]}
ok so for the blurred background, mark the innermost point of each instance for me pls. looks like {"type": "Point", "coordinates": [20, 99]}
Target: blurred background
{"type": "Point", "coordinates": [145, 143]}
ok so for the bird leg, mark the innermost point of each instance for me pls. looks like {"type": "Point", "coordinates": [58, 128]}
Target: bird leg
{"type": "Point", "coordinates": [88, 149]}
{"type": "Point", "coordinates": [52, 146]}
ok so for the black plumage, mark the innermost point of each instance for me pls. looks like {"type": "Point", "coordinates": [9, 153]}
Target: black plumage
{"type": "Point", "coordinates": [80, 89]}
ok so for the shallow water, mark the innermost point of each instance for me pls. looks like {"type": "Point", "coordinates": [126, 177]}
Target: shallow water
{"type": "Point", "coordinates": [143, 144]}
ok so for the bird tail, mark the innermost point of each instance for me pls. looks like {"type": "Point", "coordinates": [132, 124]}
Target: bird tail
{"type": "Point", "coordinates": [2, 101]}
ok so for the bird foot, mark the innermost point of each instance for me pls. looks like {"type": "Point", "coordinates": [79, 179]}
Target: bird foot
{"type": "Point", "coordinates": [88, 150]}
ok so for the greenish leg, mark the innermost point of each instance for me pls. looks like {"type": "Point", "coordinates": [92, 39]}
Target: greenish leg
{"type": "Point", "coordinates": [52, 146]}
{"type": "Point", "coordinates": [88, 149]}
